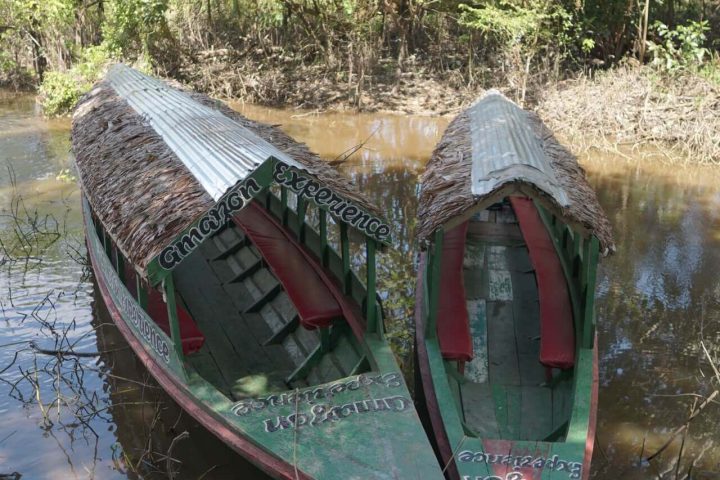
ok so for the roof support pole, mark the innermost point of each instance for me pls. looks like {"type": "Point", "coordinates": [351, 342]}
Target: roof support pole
{"type": "Point", "coordinates": [370, 303]}
{"type": "Point", "coordinates": [169, 287]}
{"type": "Point", "coordinates": [142, 296]}
{"type": "Point", "coordinates": [120, 264]}
{"type": "Point", "coordinates": [323, 238]}
{"type": "Point", "coordinates": [284, 205]}
{"type": "Point", "coordinates": [434, 283]}
{"type": "Point", "coordinates": [345, 247]}
{"type": "Point", "coordinates": [589, 293]}
{"type": "Point", "coordinates": [301, 211]}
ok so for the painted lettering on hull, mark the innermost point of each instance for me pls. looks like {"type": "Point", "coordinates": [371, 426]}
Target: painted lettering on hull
{"type": "Point", "coordinates": [318, 405]}
{"type": "Point", "coordinates": [554, 463]}
{"type": "Point", "coordinates": [144, 327]}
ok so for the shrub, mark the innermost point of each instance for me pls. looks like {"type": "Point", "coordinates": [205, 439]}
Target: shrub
{"type": "Point", "coordinates": [59, 91]}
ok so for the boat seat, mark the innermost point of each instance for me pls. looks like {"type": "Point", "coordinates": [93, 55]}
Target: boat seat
{"type": "Point", "coordinates": [192, 338]}
{"type": "Point", "coordinates": [314, 301]}
{"type": "Point", "coordinates": [453, 324]}
{"type": "Point", "coordinates": [557, 333]}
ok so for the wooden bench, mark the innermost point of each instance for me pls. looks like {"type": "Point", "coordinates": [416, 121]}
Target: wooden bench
{"type": "Point", "coordinates": [557, 333]}
{"type": "Point", "coordinates": [309, 289]}
{"type": "Point", "coordinates": [453, 324]}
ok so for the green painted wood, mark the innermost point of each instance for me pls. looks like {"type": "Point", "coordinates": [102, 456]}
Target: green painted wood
{"type": "Point", "coordinates": [345, 248]}
{"type": "Point", "coordinates": [120, 262]}
{"type": "Point", "coordinates": [284, 202]}
{"type": "Point", "coordinates": [301, 213]}
{"type": "Point", "coordinates": [476, 370]}
{"type": "Point", "coordinates": [142, 295]}
{"type": "Point", "coordinates": [434, 265]}
{"type": "Point", "coordinates": [324, 253]}
{"type": "Point", "coordinates": [153, 340]}
{"type": "Point", "coordinates": [371, 313]}
{"type": "Point", "coordinates": [169, 287]}
{"type": "Point", "coordinates": [589, 293]}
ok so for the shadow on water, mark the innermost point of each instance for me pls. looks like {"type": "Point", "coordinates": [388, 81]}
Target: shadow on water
{"type": "Point", "coordinates": [93, 411]}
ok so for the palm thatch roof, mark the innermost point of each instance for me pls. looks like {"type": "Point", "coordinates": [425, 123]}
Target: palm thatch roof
{"type": "Point", "coordinates": [495, 149]}
{"type": "Point", "coordinates": [146, 182]}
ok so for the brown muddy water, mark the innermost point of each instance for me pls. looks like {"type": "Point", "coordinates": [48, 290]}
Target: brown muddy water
{"type": "Point", "coordinates": [99, 415]}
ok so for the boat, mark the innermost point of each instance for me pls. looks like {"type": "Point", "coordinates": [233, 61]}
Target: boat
{"type": "Point", "coordinates": [241, 270]}
{"type": "Point", "coordinates": [510, 234]}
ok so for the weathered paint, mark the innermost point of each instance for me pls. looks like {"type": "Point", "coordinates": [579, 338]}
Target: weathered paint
{"type": "Point", "coordinates": [362, 426]}
{"type": "Point", "coordinates": [472, 458]}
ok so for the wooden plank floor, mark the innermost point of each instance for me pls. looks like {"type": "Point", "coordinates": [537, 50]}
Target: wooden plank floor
{"type": "Point", "coordinates": [505, 395]}
{"type": "Point", "coordinates": [253, 341]}
{"type": "Point", "coordinates": [233, 358]}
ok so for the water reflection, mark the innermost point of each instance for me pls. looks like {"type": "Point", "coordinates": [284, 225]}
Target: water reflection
{"type": "Point", "coordinates": [659, 295]}
{"type": "Point", "coordinates": [658, 298]}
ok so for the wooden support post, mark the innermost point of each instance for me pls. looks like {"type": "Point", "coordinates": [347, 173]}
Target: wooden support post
{"type": "Point", "coordinates": [323, 238]}
{"type": "Point", "coordinates": [434, 283]}
{"type": "Point", "coordinates": [284, 205]}
{"type": "Point", "coordinates": [142, 296]}
{"type": "Point", "coordinates": [107, 244]}
{"type": "Point", "coordinates": [589, 293]}
{"type": "Point", "coordinates": [169, 287]}
{"type": "Point", "coordinates": [345, 248]}
{"type": "Point", "coordinates": [120, 264]}
{"type": "Point", "coordinates": [370, 307]}
{"type": "Point", "coordinates": [301, 211]}
{"type": "Point", "coordinates": [576, 260]}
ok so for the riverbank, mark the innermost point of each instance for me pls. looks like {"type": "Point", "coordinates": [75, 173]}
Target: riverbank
{"type": "Point", "coordinates": [678, 115]}
{"type": "Point", "coordinates": [629, 105]}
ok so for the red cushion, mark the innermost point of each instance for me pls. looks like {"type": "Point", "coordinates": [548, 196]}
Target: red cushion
{"type": "Point", "coordinates": [557, 333]}
{"type": "Point", "coordinates": [192, 337]}
{"type": "Point", "coordinates": [453, 325]}
{"type": "Point", "coordinates": [315, 303]}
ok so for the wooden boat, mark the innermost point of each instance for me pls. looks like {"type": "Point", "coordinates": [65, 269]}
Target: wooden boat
{"type": "Point", "coordinates": [241, 270]}
{"type": "Point", "coordinates": [506, 357]}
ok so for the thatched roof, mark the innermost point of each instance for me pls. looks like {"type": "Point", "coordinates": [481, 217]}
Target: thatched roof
{"type": "Point", "coordinates": [142, 189]}
{"type": "Point", "coordinates": [495, 149]}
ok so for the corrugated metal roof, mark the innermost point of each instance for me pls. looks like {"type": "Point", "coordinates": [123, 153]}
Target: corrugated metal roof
{"type": "Point", "coordinates": [218, 151]}
{"type": "Point", "coordinates": [505, 148]}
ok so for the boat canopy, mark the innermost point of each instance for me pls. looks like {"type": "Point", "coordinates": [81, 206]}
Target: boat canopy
{"type": "Point", "coordinates": [164, 168]}
{"type": "Point", "coordinates": [495, 149]}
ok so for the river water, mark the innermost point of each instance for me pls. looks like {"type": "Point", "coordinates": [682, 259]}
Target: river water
{"type": "Point", "coordinates": [99, 415]}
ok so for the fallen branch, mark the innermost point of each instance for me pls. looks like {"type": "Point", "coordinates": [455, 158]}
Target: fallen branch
{"type": "Point", "coordinates": [168, 464]}
{"type": "Point", "coordinates": [682, 428]}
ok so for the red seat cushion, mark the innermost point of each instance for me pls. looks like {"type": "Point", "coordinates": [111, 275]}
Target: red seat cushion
{"type": "Point", "coordinates": [315, 303]}
{"type": "Point", "coordinates": [557, 333]}
{"type": "Point", "coordinates": [453, 325]}
{"type": "Point", "coordinates": [192, 337]}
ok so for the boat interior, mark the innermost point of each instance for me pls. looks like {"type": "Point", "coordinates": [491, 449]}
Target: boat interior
{"type": "Point", "coordinates": [516, 330]}
{"type": "Point", "coordinates": [259, 311]}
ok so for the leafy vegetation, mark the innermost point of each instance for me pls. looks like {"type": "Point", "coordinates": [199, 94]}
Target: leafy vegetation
{"type": "Point", "coordinates": [259, 49]}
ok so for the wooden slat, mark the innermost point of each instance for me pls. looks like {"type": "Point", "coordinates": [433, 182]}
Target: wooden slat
{"type": "Point", "coordinates": [264, 299]}
{"type": "Point", "coordinates": [536, 416]}
{"type": "Point", "coordinates": [251, 270]}
{"type": "Point", "coordinates": [283, 332]}
{"type": "Point", "coordinates": [502, 349]}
